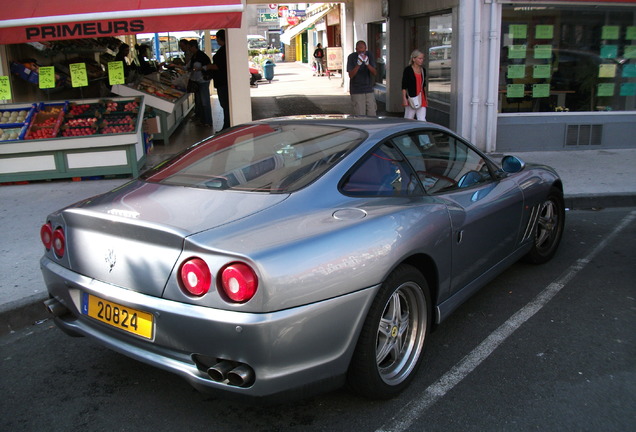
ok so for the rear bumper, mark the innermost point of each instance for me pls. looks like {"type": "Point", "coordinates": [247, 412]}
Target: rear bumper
{"type": "Point", "coordinates": [286, 349]}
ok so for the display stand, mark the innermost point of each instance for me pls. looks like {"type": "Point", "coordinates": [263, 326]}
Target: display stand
{"type": "Point", "coordinates": [169, 115]}
{"type": "Point", "coordinates": [77, 156]}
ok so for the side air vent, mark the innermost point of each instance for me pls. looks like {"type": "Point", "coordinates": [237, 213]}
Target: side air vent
{"type": "Point", "coordinates": [583, 135]}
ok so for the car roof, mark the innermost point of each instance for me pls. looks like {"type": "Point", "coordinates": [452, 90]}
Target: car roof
{"type": "Point", "coordinates": [372, 125]}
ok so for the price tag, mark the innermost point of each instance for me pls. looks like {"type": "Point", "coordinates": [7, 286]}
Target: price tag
{"type": "Point", "coordinates": [544, 31]}
{"type": "Point", "coordinates": [5, 88]}
{"type": "Point", "coordinates": [607, 71]}
{"type": "Point", "coordinates": [541, 71]}
{"type": "Point", "coordinates": [540, 90]}
{"type": "Point", "coordinates": [610, 32]}
{"type": "Point", "coordinates": [605, 89]}
{"type": "Point", "coordinates": [519, 31]}
{"type": "Point", "coordinates": [116, 73]}
{"type": "Point", "coordinates": [517, 51]}
{"type": "Point", "coordinates": [47, 77]}
{"type": "Point", "coordinates": [516, 71]}
{"type": "Point", "coordinates": [628, 89]}
{"type": "Point", "coordinates": [515, 91]}
{"type": "Point", "coordinates": [542, 51]}
{"type": "Point", "coordinates": [79, 78]}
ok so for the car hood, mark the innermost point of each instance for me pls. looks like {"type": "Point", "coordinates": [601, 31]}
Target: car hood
{"type": "Point", "coordinates": [132, 236]}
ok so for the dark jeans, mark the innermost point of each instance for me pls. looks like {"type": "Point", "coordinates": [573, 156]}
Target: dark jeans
{"type": "Point", "coordinates": [202, 105]}
{"type": "Point", "coordinates": [224, 101]}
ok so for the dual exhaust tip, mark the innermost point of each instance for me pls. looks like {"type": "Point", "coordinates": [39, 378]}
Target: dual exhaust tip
{"type": "Point", "coordinates": [237, 374]}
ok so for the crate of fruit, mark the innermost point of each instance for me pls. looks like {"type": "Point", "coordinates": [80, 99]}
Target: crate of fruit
{"type": "Point", "coordinates": [12, 133]}
{"type": "Point", "coordinates": [67, 132]}
{"type": "Point", "coordinates": [119, 106]}
{"type": "Point", "coordinates": [16, 117]}
{"type": "Point", "coordinates": [75, 110]}
{"type": "Point", "coordinates": [40, 132]}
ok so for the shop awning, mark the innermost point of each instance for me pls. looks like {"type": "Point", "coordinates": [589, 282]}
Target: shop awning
{"type": "Point", "coordinates": [294, 31]}
{"type": "Point", "coordinates": [46, 20]}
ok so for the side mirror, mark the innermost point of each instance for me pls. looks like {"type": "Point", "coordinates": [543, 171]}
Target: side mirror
{"type": "Point", "coordinates": [512, 164]}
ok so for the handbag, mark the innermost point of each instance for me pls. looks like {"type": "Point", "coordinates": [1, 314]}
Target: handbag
{"type": "Point", "coordinates": [415, 102]}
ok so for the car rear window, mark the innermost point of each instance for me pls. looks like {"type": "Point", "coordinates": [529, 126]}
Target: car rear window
{"type": "Point", "coordinates": [272, 158]}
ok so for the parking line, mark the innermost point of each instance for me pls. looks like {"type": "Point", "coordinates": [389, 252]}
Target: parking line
{"type": "Point", "coordinates": [414, 409]}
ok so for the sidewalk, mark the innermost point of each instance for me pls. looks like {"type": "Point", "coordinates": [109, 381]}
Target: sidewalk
{"type": "Point", "coordinates": [591, 178]}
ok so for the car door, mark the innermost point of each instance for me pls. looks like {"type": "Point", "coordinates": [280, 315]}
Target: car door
{"type": "Point", "coordinates": [485, 211]}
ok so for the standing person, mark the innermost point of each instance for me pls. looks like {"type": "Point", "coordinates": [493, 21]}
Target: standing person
{"type": "Point", "coordinates": [198, 75]}
{"type": "Point", "coordinates": [219, 74]}
{"type": "Point", "coordinates": [414, 84]}
{"type": "Point", "coordinates": [123, 56]}
{"type": "Point", "coordinates": [361, 69]}
{"type": "Point", "coordinates": [319, 54]}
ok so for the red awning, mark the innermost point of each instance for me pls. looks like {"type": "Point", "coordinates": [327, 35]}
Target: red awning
{"type": "Point", "coordinates": [46, 20]}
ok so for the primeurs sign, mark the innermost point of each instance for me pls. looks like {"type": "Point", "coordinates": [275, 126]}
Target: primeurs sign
{"type": "Point", "coordinates": [84, 29]}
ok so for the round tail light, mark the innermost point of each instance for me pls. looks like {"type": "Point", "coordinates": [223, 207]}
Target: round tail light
{"type": "Point", "coordinates": [239, 282]}
{"type": "Point", "coordinates": [195, 277]}
{"type": "Point", "coordinates": [59, 242]}
{"type": "Point", "coordinates": [46, 235]}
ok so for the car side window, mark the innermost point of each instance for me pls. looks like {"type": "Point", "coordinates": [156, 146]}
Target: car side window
{"type": "Point", "coordinates": [441, 161]}
{"type": "Point", "coordinates": [383, 172]}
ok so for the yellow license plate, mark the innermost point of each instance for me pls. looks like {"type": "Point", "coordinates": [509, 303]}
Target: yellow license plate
{"type": "Point", "coordinates": [122, 317]}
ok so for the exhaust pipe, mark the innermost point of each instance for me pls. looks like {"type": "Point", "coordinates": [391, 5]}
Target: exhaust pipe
{"type": "Point", "coordinates": [241, 376]}
{"type": "Point", "coordinates": [219, 371]}
{"type": "Point", "coordinates": [55, 307]}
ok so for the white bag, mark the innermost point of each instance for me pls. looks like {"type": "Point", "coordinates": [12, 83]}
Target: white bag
{"type": "Point", "coordinates": [416, 102]}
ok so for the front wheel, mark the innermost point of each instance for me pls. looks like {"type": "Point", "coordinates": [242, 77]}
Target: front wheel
{"type": "Point", "coordinates": [393, 336]}
{"type": "Point", "coordinates": [549, 228]}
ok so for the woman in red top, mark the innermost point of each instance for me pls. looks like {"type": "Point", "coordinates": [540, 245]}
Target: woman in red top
{"type": "Point", "coordinates": [414, 84]}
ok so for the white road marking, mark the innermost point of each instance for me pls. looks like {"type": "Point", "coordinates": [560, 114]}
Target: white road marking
{"type": "Point", "coordinates": [409, 414]}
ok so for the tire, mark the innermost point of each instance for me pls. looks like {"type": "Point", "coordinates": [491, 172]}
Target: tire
{"type": "Point", "coordinates": [391, 343]}
{"type": "Point", "coordinates": [548, 229]}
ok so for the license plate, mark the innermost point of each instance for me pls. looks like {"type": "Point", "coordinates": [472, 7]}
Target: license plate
{"type": "Point", "coordinates": [122, 317]}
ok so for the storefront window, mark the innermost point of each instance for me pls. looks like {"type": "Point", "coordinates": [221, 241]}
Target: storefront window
{"type": "Point", "coordinates": [377, 45]}
{"type": "Point", "coordinates": [434, 35]}
{"type": "Point", "coordinates": [560, 58]}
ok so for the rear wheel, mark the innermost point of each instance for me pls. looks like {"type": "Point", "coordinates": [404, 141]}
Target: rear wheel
{"type": "Point", "coordinates": [549, 228]}
{"type": "Point", "coordinates": [392, 340]}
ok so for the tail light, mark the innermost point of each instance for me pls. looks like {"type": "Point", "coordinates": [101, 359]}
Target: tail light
{"type": "Point", "coordinates": [238, 282]}
{"type": "Point", "coordinates": [59, 242]}
{"type": "Point", "coordinates": [46, 235]}
{"type": "Point", "coordinates": [195, 277]}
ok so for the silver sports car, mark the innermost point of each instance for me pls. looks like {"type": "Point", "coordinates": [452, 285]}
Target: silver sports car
{"type": "Point", "coordinates": [297, 251]}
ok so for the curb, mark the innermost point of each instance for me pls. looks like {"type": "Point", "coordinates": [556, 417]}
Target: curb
{"type": "Point", "coordinates": [22, 313]}
{"type": "Point", "coordinates": [597, 201]}
{"type": "Point", "coordinates": [29, 311]}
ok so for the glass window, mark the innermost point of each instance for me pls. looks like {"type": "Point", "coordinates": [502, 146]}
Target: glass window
{"type": "Point", "coordinates": [563, 58]}
{"type": "Point", "coordinates": [277, 158]}
{"type": "Point", "coordinates": [384, 172]}
{"type": "Point", "coordinates": [377, 45]}
{"type": "Point", "coordinates": [442, 162]}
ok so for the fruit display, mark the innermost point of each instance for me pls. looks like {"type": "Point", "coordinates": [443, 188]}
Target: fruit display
{"type": "Point", "coordinates": [41, 133]}
{"type": "Point", "coordinates": [125, 106]}
{"type": "Point", "coordinates": [117, 129]}
{"type": "Point", "coordinates": [46, 122]}
{"type": "Point", "coordinates": [160, 90]}
{"type": "Point", "coordinates": [79, 131]}
{"type": "Point", "coordinates": [81, 122]}
{"type": "Point", "coordinates": [8, 134]}
{"type": "Point", "coordinates": [14, 116]}
{"type": "Point", "coordinates": [75, 110]}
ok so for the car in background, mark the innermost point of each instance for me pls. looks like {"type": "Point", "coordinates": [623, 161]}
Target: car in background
{"type": "Point", "coordinates": [297, 253]}
{"type": "Point", "coordinates": [439, 62]}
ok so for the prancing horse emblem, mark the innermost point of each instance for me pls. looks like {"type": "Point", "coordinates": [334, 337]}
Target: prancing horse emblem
{"type": "Point", "coordinates": [111, 259]}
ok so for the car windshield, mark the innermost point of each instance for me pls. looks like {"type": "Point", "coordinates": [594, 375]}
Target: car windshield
{"type": "Point", "coordinates": [272, 158]}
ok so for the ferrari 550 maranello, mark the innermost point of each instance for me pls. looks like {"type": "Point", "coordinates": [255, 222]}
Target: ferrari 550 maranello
{"type": "Point", "coordinates": [296, 252]}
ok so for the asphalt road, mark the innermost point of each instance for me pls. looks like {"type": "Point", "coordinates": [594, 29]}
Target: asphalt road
{"type": "Point", "coordinates": [541, 348]}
